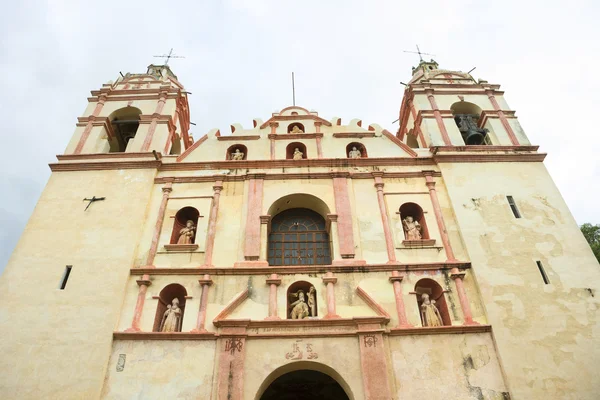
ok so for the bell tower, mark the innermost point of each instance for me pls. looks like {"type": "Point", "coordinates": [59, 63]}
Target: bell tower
{"type": "Point", "coordinates": [138, 113]}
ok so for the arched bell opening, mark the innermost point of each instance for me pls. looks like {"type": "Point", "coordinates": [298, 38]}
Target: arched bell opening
{"type": "Point", "coordinates": [185, 225]}
{"type": "Point", "coordinates": [295, 151]}
{"type": "Point", "coordinates": [170, 309]}
{"type": "Point", "coordinates": [430, 294]}
{"type": "Point", "coordinates": [467, 118]}
{"type": "Point", "coordinates": [356, 150]}
{"type": "Point", "coordinates": [304, 380]}
{"type": "Point", "coordinates": [124, 123]}
{"type": "Point", "coordinates": [237, 152]}
{"type": "Point", "coordinates": [302, 301]}
{"type": "Point", "coordinates": [413, 222]}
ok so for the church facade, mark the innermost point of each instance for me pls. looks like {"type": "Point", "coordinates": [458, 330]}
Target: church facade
{"type": "Point", "coordinates": [303, 257]}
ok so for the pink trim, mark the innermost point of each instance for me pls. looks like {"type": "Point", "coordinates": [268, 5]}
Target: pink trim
{"type": "Point", "coordinates": [389, 242]}
{"type": "Point", "coordinates": [439, 218]}
{"type": "Point", "coordinates": [230, 376]}
{"type": "Point", "coordinates": [438, 119]}
{"type": "Point", "coordinates": [233, 304]}
{"type": "Point", "coordinates": [273, 282]}
{"type": "Point", "coordinates": [139, 304]}
{"type": "Point", "coordinates": [372, 303]}
{"type": "Point", "coordinates": [396, 280]}
{"type": "Point", "coordinates": [373, 365]}
{"type": "Point", "coordinates": [503, 120]}
{"type": "Point", "coordinates": [462, 297]}
{"type": "Point", "coordinates": [192, 148]}
{"type": "Point", "coordinates": [319, 147]}
{"type": "Point", "coordinates": [255, 197]}
{"type": "Point", "coordinates": [403, 146]}
{"type": "Point", "coordinates": [329, 280]}
{"type": "Point", "coordinates": [159, 223]}
{"type": "Point", "coordinates": [88, 127]}
{"type": "Point", "coordinates": [212, 225]}
{"type": "Point", "coordinates": [343, 210]}
{"type": "Point", "coordinates": [205, 282]}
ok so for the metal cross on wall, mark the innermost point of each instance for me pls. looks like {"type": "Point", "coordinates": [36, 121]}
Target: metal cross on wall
{"type": "Point", "coordinates": [169, 56]}
{"type": "Point", "coordinates": [93, 199]}
{"type": "Point", "coordinates": [418, 52]}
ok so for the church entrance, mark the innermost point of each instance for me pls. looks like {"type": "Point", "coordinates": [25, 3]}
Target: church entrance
{"type": "Point", "coordinates": [304, 384]}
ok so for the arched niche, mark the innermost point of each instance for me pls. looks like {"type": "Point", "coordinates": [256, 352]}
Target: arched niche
{"type": "Point", "coordinates": [299, 128]}
{"type": "Point", "coordinates": [124, 123]}
{"type": "Point", "coordinates": [298, 236]}
{"type": "Point", "coordinates": [181, 219]}
{"type": "Point", "coordinates": [416, 212]}
{"type": "Point", "coordinates": [165, 298]}
{"type": "Point", "coordinates": [233, 152]}
{"type": "Point", "coordinates": [298, 291]}
{"type": "Point", "coordinates": [291, 149]}
{"type": "Point", "coordinates": [175, 145]}
{"type": "Point", "coordinates": [466, 116]}
{"type": "Point", "coordinates": [412, 141]}
{"type": "Point", "coordinates": [359, 146]}
{"type": "Point", "coordinates": [279, 383]}
{"type": "Point", "coordinates": [435, 292]}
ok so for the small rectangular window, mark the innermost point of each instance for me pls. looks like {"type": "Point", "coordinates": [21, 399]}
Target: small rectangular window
{"type": "Point", "coordinates": [65, 277]}
{"type": "Point", "coordinates": [513, 206]}
{"type": "Point", "coordinates": [543, 272]}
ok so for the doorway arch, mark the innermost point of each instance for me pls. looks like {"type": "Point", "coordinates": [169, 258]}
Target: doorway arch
{"type": "Point", "coordinates": [304, 380]}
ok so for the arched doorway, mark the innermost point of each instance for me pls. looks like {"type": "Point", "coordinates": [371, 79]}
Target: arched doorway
{"type": "Point", "coordinates": [304, 384]}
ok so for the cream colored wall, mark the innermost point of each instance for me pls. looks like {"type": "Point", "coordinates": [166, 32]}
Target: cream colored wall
{"type": "Point", "coordinates": [230, 220]}
{"type": "Point", "coordinates": [215, 150]}
{"type": "Point", "coordinates": [447, 367]}
{"type": "Point", "coordinates": [57, 342]}
{"type": "Point", "coordinates": [171, 369]}
{"type": "Point", "coordinates": [559, 321]}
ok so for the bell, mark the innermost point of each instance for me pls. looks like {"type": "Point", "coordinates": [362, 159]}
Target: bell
{"type": "Point", "coordinates": [474, 137]}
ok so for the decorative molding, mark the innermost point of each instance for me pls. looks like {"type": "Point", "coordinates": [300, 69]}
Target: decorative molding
{"type": "Point", "coordinates": [483, 148]}
{"type": "Point", "coordinates": [379, 310]}
{"type": "Point", "coordinates": [440, 330]}
{"type": "Point", "coordinates": [358, 135]}
{"type": "Point", "coordinates": [233, 138]}
{"type": "Point", "coordinates": [181, 247]}
{"type": "Point", "coordinates": [105, 156]}
{"type": "Point", "coordinates": [400, 144]}
{"type": "Point", "coordinates": [192, 148]}
{"type": "Point", "coordinates": [276, 118]}
{"type": "Point", "coordinates": [418, 243]}
{"type": "Point", "coordinates": [294, 136]}
{"type": "Point", "coordinates": [233, 304]}
{"type": "Point", "coordinates": [481, 158]}
{"type": "Point", "coordinates": [164, 336]}
{"type": "Point", "coordinates": [97, 166]}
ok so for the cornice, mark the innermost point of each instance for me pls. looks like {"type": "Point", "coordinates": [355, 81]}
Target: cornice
{"type": "Point", "coordinates": [485, 158]}
{"type": "Point", "coordinates": [295, 118]}
{"type": "Point", "coordinates": [294, 136]}
{"type": "Point", "coordinates": [484, 148]}
{"type": "Point", "coordinates": [237, 138]}
{"type": "Point", "coordinates": [103, 156]}
{"type": "Point", "coordinates": [104, 165]}
{"type": "Point", "coordinates": [303, 269]}
{"type": "Point", "coordinates": [357, 135]}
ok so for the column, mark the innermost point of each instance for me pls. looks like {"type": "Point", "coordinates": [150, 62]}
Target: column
{"type": "Point", "coordinates": [389, 242]}
{"type": "Point", "coordinates": [273, 281]}
{"type": "Point", "coordinates": [503, 120]}
{"type": "Point", "coordinates": [205, 282]}
{"type": "Point", "coordinates": [159, 107]}
{"type": "Point", "coordinates": [373, 363]}
{"type": "Point", "coordinates": [272, 135]}
{"type": "Point", "coordinates": [396, 280]}
{"type": "Point", "coordinates": [439, 218]}
{"type": "Point", "coordinates": [230, 374]}
{"type": "Point", "coordinates": [253, 225]}
{"type": "Point", "coordinates": [264, 233]}
{"type": "Point", "coordinates": [139, 305]}
{"type": "Point", "coordinates": [462, 296]}
{"type": "Point", "coordinates": [89, 125]}
{"type": "Point", "coordinates": [330, 280]}
{"type": "Point", "coordinates": [319, 136]}
{"type": "Point", "coordinates": [333, 233]}
{"type": "Point", "coordinates": [438, 118]}
{"type": "Point", "coordinates": [212, 225]}
{"type": "Point", "coordinates": [344, 213]}
{"type": "Point", "coordinates": [159, 223]}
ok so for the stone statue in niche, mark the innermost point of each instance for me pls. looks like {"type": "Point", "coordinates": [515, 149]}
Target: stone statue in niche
{"type": "Point", "coordinates": [298, 155]}
{"type": "Point", "coordinates": [171, 321]}
{"type": "Point", "coordinates": [311, 301]}
{"type": "Point", "coordinates": [412, 229]}
{"type": "Point", "coordinates": [354, 153]}
{"type": "Point", "coordinates": [237, 155]}
{"type": "Point", "coordinates": [186, 235]}
{"type": "Point", "coordinates": [299, 307]}
{"type": "Point", "coordinates": [429, 312]}
{"type": "Point", "coordinates": [296, 129]}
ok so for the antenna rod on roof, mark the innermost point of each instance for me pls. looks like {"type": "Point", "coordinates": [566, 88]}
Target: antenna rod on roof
{"type": "Point", "coordinates": [293, 90]}
{"type": "Point", "coordinates": [471, 70]}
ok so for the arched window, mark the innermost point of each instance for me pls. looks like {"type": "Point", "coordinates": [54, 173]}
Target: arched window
{"type": "Point", "coordinates": [299, 237]}
{"type": "Point", "coordinates": [435, 294]}
{"type": "Point", "coordinates": [301, 300]}
{"type": "Point", "coordinates": [164, 321]}
{"type": "Point", "coordinates": [295, 151]}
{"type": "Point", "coordinates": [124, 123]}
{"type": "Point", "coordinates": [184, 232]}
{"type": "Point", "coordinates": [413, 222]}
{"type": "Point", "coordinates": [237, 152]}
{"type": "Point", "coordinates": [356, 150]}
{"type": "Point", "coordinates": [296, 127]}
{"type": "Point", "coordinates": [466, 117]}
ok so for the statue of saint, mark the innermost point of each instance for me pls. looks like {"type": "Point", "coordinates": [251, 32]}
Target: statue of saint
{"type": "Point", "coordinates": [354, 153]}
{"type": "Point", "coordinates": [295, 129]}
{"type": "Point", "coordinates": [237, 155]}
{"type": "Point", "coordinates": [298, 154]}
{"type": "Point", "coordinates": [311, 302]}
{"type": "Point", "coordinates": [412, 228]}
{"type": "Point", "coordinates": [429, 312]}
{"type": "Point", "coordinates": [299, 307]}
{"type": "Point", "coordinates": [186, 235]}
{"type": "Point", "coordinates": [171, 321]}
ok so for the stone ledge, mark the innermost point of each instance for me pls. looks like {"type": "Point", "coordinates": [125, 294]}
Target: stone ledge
{"type": "Point", "coordinates": [418, 243]}
{"type": "Point", "coordinates": [181, 247]}
{"type": "Point", "coordinates": [440, 330]}
{"type": "Point", "coordinates": [164, 336]}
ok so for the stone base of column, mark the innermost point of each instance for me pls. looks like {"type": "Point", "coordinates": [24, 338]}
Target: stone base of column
{"type": "Point", "coordinates": [349, 262]}
{"type": "Point", "coordinates": [258, 263]}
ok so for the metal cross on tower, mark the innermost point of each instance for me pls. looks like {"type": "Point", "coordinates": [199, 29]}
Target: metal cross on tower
{"type": "Point", "coordinates": [169, 56]}
{"type": "Point", "coordinates": [419, 53]}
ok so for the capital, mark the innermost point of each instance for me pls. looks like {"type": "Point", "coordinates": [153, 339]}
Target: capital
{"type": "Point", "coordinates": [274, 280]}
{"type": "Point", "coordinates": [458, 275]}
{"type": "Point", "coordinates": [205, 280]}
{"type": "Point", "coordinates": [329, 278]}
{"type": "Point", "coordinates": [144, 282]}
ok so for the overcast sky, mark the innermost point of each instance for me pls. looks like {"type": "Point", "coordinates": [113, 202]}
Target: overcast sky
{"type": "Point", "coordinates": [348, 60]}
